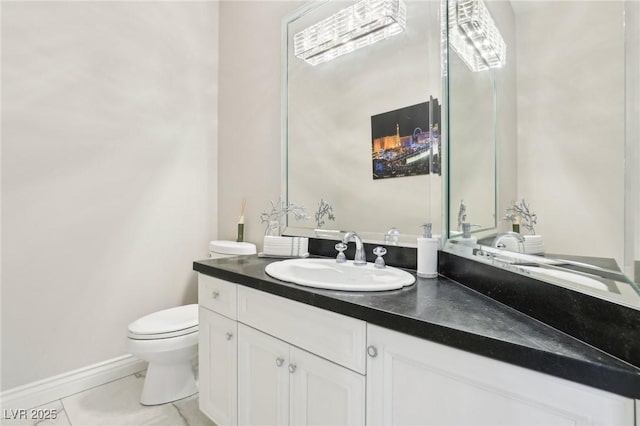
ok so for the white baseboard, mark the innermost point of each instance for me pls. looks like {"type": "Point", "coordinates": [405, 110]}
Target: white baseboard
{"type": "Point", "coordinates": [66, 384]}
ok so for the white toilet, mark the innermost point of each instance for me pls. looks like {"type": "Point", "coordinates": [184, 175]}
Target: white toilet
{"type": "Point", "coordinates": [168, 340]}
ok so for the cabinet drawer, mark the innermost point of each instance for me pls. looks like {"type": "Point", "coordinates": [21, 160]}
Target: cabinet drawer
{"type": "Point", "coordinates": [336, 337]}
{"type": "Point", "coordinates": [217, 295]}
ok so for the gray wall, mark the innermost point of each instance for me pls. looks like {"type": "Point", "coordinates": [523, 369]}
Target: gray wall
{"type": "Point", "coordinates": [108, 173]}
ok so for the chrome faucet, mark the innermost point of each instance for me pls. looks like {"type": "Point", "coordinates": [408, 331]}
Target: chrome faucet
{"type": "Point", "coordinates": [497, 241]}
{"type": "Point", "coordinates": [360, 258]}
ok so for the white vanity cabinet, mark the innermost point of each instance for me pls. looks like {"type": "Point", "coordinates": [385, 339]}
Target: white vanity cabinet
{"type": "Point", "coordinates": [268, 360]}
{"type": "Point", "coordinates": [415, 381]}
{"type": "Point", "coordinates": [279, 384]}
{"type": "Point", "coordinates": [308, 363]}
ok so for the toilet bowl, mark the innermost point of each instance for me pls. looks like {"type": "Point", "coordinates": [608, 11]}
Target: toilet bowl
{"type": "Point", "coordinates": [168, 341]}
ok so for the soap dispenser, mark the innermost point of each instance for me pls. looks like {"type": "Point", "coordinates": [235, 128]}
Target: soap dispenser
{"type": "Point", "coordinates": [427, 254]}
{"type": "Point", "coordinates": [467, 243]}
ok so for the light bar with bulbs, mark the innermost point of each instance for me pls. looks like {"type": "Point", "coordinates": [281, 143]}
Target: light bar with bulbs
{"type": "Point", "coordinates": [474, 36]}
{"type": "Point", "coordinates": [349, 29]}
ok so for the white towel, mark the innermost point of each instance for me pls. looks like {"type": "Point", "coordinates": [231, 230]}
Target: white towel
{"type": "Point", "coordinates": [286, 246]}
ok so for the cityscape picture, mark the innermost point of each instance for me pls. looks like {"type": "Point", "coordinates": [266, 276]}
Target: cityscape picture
{"type": "Point", "coordinates": [403, 144]}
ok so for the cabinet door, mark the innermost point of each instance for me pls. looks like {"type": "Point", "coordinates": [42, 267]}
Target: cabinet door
{"type": "Point", "coordinates": [413, 381]}
{"type": "Point", "coordinates": [324, 393]}
{"type": "Point", "coordinates": [217, 353]}
{"type": "Point", "coordinates": [263, 378]}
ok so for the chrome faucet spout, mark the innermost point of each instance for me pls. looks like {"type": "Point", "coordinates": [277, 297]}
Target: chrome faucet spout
{"type": "Point", "coordinates": [497, 241]}
{"type": "Point", "coordinates": [360, 258]}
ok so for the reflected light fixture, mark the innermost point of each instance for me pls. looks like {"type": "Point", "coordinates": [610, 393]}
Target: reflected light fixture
{"type": "Point", "coordinates": [349, 29]}
{"type": "Point", "coordinates": [474, 36]}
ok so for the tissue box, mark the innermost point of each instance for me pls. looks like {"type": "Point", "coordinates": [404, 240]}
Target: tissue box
{"type": "Point", "coordinates": [285, 246]}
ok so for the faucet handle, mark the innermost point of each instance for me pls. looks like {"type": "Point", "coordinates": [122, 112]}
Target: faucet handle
{"type": "Point", "coordinates": [392, 236]}
{"type": "Point", "coordinates": [341, 247]}
{"type": "Point", "coordinates": [379, 251]}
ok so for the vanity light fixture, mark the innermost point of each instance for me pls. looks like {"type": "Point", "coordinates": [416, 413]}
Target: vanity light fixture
{"type": "Point", "coordinates": [474, 36]}
{"type": "Point", "coordinates": [357, 26]}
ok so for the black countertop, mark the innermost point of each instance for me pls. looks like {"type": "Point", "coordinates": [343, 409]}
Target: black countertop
{"type": "Point", "coordinates": [446, 312]}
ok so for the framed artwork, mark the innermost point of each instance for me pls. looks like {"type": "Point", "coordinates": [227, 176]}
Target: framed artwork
{"type": "Point", "coordinates": [405, 143]}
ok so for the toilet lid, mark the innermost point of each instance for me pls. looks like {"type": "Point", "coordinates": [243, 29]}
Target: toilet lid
{"type": "Point", "coordinates": [167, 321]}
{"type": "Point", "coordinates": [161, 336]}
{"type": "Point", "coordinates": [232, 247]}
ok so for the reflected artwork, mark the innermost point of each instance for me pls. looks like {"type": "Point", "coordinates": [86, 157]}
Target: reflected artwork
{"type": "Point", "coordinates": [404, 143]}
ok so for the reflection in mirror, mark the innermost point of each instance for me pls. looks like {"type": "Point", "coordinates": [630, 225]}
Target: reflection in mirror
{"type": "Point", "coordinates": [562, 142]}
{"type": "Point", "coordinates": [362, 130]}
{"type": "Point", "coordinates": [472, 147]}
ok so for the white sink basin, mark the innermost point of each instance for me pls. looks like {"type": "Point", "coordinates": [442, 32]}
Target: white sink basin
{"type": "Point", "coordinates": [331, 275]}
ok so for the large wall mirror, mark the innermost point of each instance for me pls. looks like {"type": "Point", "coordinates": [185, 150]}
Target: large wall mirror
{"type": "Point", "coordinates": [357, 128]}
{"type": "Point", "coordinates": [558, 119]}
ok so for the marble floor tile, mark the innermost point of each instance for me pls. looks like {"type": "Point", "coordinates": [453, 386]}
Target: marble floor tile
{"type": "Point", "coordinates": [51, 414]}
{"type": "Point", "coordinates": [113, 404]}
{"type": "Point", "coordinates": [117, 404]}
{"type": "Point", "coordinates": [190, 411]}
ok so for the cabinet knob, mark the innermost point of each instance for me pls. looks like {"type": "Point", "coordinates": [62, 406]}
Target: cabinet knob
{"type": "Point", "coordinates": [229, 336]}
{"type": "Point", "coordinates": [292, 368]}
{"type": "Point", "coordinates": [372, 351]}
{"type": "Point", "coordinates": [215, 294]}
{"type": "Point", "coordinates": [279, 362]}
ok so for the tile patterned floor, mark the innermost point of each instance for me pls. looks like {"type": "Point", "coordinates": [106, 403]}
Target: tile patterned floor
{"type": "Point", "coordinates": [117, 404]}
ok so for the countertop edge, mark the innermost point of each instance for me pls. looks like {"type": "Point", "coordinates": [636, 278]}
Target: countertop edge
{"type": "Point", "coordinates": [607, 378]}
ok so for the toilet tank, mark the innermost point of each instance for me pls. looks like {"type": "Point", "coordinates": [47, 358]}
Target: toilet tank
{"type": "Point", "coordinates": [221, 248]}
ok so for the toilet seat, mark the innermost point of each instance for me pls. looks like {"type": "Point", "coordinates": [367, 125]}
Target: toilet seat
{"type": "Point", "coordinates": [168, 323]}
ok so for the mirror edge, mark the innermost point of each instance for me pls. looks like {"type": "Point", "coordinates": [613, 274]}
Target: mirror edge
{"type": "Point", "coordinates": [284, 96]}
